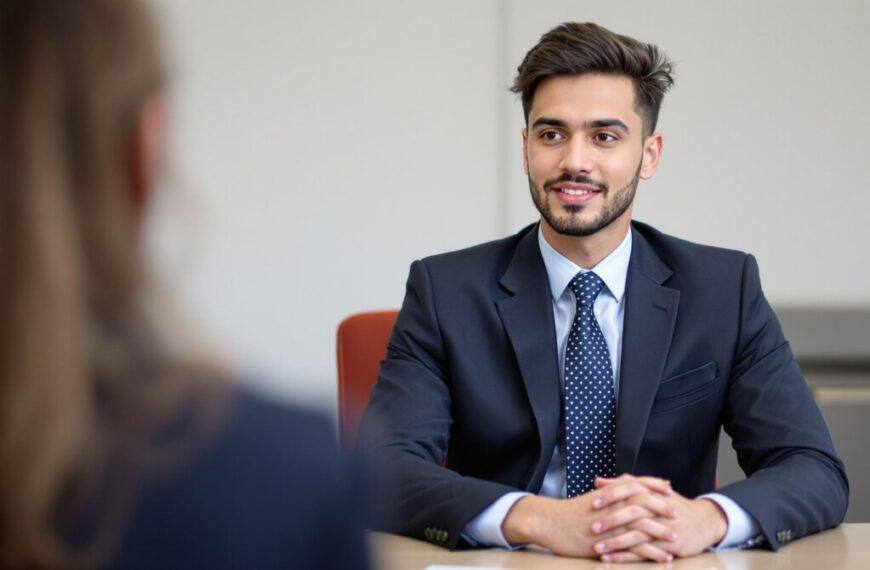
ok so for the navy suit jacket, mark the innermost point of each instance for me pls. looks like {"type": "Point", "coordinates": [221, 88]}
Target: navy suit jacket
{"type": "Point", "coordinates": [471, 377]}
{"type": "Point", "coordinates": [269, 492]}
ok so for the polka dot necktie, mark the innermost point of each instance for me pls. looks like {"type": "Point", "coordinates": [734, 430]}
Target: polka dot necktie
{"type": "Point", "coordinates": [590, 406]}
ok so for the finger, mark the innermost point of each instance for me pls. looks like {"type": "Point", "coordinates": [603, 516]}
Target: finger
{"type": "Point", "coordinates": [656, 484]}
{"type": "Point", "coordinates": [637, 507]}
{"type": "Point", "coordinates": [615, 493]}
{"type": "Point", "coordinates": [672, 547]}
{"type": "Point", "coordinates": [622, 541]}
{"type": "Point", "coordinates": [655, 529]}
{"type": "Point", "coordinates": [602, 481]}
{"type": "Point", "coordinates": [620, 517]}
{"type": "Point", "coordinates": [655, 503]}
{"type": "Point", "coordinates": [652, 552]}
{"type": "Point", "coordinates": [622, 557]}
{"type": "Point", "coordinates": [639, 553]}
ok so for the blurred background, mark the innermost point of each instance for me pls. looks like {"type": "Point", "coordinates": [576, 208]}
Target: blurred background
{"type": "Point", "coordinates": [320, 147]}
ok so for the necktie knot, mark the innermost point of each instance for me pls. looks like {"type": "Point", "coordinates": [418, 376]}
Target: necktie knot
{"type": "Point", "coordinates": [586, 285]}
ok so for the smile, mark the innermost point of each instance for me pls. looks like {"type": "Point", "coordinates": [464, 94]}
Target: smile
{"type": "Point", "coordinates": [576, 192]}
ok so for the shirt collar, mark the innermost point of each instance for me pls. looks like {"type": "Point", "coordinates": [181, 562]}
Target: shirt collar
{"type": "Point", "coordinates": [613, 269]}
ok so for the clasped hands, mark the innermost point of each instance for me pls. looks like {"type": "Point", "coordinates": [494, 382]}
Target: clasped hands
{"type": "Point", "coordinates": [626, 519]}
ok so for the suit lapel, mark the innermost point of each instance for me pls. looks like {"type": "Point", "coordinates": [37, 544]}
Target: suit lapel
{"type": "Point", "coordinates": [527, 316]}
{"type": "Point", "coordinates": [650, 315]}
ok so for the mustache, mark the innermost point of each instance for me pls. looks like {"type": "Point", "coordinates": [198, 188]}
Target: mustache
{"type": "Point", "coordinates": [576, 179]}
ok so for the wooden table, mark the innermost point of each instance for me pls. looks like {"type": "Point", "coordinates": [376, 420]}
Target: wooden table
{"type": "Point", "coordinates": [846, 547]}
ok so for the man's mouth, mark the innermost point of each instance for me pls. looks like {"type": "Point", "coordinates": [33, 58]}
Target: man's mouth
{"type": "Point", "coordinates": [576, 191]}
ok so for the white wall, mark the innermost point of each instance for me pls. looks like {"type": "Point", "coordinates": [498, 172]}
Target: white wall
{"type": "Point", "coordinates": [322, 146]}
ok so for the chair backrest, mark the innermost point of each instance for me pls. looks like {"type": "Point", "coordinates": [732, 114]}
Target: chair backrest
{"type": "Point", "coordinates": [361, 345]}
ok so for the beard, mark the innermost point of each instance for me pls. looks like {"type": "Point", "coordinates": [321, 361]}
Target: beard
{"type": "Point", "coordinates": [571, 224]}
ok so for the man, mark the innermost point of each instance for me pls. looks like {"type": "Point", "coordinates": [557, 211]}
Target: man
{"type": "Point", "coordinates": [541, 366]}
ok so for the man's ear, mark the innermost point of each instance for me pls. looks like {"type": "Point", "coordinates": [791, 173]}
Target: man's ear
{"type": "Point", "coordinates": [146, 146]}
{"type": "Point", "coordinates": [525, 151]}
{"type": "Point", "coordinates": [652, 153]}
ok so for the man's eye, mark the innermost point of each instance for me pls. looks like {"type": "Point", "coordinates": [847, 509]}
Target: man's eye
{"type": "Point", "coordinates": [605, 137]}
{"type": "Point", "coordinates": [551, 135]}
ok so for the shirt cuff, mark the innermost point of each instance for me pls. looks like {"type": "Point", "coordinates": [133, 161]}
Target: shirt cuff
{"type": "Point", "coordinates": [742, 528]}
{"type": "Point", "coordinates": [485, 528]}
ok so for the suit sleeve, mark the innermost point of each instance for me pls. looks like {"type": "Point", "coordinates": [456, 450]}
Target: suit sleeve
{"type": "Point", "coordinates": [796, 485]}
{"type": "Point", "coordinates": [406, 428]}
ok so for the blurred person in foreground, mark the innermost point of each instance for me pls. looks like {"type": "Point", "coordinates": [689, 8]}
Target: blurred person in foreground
{"type": "Point", "coordinates": [117, 447]}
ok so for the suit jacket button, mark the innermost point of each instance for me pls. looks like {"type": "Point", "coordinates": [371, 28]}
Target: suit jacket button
{"type": "Point", "coordinates": [428, 533]}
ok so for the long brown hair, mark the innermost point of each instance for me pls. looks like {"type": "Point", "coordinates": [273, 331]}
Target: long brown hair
{"type": "Point", "coordinates": [81, 371]}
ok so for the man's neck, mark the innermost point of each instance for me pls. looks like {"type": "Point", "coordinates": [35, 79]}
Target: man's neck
{"type": "Point", "coordinates": [587, 251]}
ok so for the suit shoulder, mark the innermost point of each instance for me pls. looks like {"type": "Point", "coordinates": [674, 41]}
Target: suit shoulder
{"type": "Point", "coordinates": [493, 255]}
{"type": "Point", "coordinates": [678, 252]}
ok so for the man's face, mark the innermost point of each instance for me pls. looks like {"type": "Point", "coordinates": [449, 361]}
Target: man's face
{"type": "Point", "coordinates": [584, 152]}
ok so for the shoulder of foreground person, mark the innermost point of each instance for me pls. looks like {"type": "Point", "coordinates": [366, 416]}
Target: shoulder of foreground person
{"type": "Point", "coordinates": [269, 491]}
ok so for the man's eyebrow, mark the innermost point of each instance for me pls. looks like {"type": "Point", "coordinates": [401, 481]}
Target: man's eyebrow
{"type": "Point", "coordinates": [607, 124]}
{"type": "Point", "coordinates": [594, 124]}
{"type": "Point", "coordinates": [548, 121]}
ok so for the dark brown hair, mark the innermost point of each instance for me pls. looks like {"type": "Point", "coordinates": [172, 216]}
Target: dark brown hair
{"type": "Point", "coordinates": [575, 49]}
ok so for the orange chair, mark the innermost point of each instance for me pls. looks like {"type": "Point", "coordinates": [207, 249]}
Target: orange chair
{"type": "Point", "coordinates": [361, 344]}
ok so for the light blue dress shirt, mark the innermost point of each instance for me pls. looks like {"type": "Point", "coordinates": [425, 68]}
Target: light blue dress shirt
{"type": "Point", "coordinates": [609, 309]}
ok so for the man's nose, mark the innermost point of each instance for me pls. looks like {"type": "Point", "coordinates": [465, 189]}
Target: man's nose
{"type": "Point", "coordinates": [577, 157]}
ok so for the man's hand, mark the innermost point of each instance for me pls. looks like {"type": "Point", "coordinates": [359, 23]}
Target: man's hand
{"type": "Point", "coordinates": [699, 524]}
{"type": "Point", "coordinates": [637, 508]}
